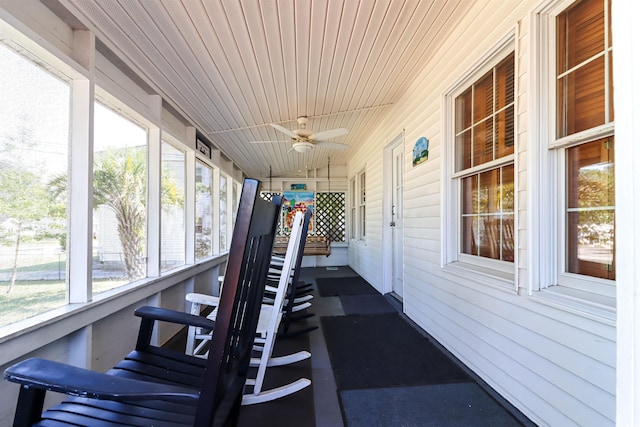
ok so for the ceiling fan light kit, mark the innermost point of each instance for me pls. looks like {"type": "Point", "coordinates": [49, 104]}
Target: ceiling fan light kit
{"type": "Point", "coordinates": [302, 146]}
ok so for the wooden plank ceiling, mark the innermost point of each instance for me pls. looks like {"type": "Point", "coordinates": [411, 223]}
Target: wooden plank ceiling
{"type": "Point", "coordinates": [235, 66]}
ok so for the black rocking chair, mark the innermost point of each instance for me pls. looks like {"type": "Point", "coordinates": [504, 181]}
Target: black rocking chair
{"type": "Point", "coordinates": [121, 398]}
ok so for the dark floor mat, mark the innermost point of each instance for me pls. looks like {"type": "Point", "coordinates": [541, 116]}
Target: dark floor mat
{"type": "Point", "coordinates": [451, 405]}
{"type": "Point", "coordinates": [337, 286]}
{"type": "Point", "coordinates": [366, 304]}
{"type": "Point", "coordinates": [384, 350]}
{"type": "Point", "coordinates": [307, 273]}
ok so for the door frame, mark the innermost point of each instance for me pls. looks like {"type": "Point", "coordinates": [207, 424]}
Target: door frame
{"type": "Point", "coordinates": [387, 191]}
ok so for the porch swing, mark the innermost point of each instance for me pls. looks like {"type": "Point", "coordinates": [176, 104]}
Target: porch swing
{"type": "Point", "coordinates": [316, 245]}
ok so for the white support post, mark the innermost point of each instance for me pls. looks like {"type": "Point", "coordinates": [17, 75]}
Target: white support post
{"type": "Point", "coordinates": [626, 66]}
{"type": "Point", "coordinates": [154, 190]}
{"type": "Point", "coordinates": [80, 225]}
{"type": "Point", "coordinates": [190, 199]}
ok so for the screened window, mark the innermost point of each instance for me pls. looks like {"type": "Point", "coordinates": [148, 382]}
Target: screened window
{"type": "Point", "coordinates": [204, 210]}
{"type": "Point", "coordinates": [172, 242]}
{"type": "Point", "coordinates": [34, 149]}
{"type": "Point", "coordinates": [120, 200]}
{"type": "Point", "coordinates": [223, 213]}
{"type": "Point", "coordinates": [584, 132]}
{"type": "Point", "coordinates": [484, 148]}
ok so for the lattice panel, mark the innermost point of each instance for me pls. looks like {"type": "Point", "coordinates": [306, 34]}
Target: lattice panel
{"type": "Point", "coordinates": [330, 216]}
{"type": "Point", "coordinates": [265, 195]}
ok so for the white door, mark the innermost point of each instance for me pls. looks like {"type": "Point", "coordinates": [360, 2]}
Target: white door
{"type": "Point", "coordinates": [396, 220]}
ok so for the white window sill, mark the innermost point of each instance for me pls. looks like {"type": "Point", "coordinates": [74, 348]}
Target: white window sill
{"type": "Point", "coordinates": [586, 304]}
{"type": "Point", "coordinates": [496, 279]}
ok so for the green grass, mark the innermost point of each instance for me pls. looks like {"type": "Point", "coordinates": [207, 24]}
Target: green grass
{"type": "Point", "coordinates": [29, 298]}
{"type": "Point", "coordinates": [53, 265]}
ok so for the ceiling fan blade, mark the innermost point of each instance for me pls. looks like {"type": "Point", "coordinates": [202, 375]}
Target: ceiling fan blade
{"type": "Point", "coordinates": [332, 133]}
{"type": "Point", "coordinates": [264, 142]}
{"type": "Point", "coordinates": [284, 130]}
{"type": "Point", "coordinates": [329, 144]}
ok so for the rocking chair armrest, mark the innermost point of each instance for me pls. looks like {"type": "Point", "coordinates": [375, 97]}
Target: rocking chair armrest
{"type": "Point", "coordinates": [71, 380]}
{"type": "Point", "coordinates": [156, 313]}
{"type": "Point", "coordinates": [203, 299]}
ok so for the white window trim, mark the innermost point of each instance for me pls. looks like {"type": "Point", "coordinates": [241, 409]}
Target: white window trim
{"type": "Point", "coordinates": [494, 273]}
{"type": "Point", "coordinates": [590, 297]}
{"type": "Point", "coordinates": [356, 233]}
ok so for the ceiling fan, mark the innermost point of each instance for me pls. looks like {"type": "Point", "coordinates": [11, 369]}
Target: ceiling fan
{"type": "Point", "coordinates": [304, 139]}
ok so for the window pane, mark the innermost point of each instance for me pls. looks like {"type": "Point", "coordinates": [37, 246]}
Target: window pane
{"type": "Point", "coordinates": [469, 233]}
{"type": "Point", "coordinates": [120, 200]}
{"type": "Point", "coordinates": [505, 80]}
{"type": "Point", "coordinates": [204, 210]}
{"type": "Point", "coordinates": [590, 209]}
{"type": "Point", "coordinates": [470, 195]}
{"type": "Point", "coordinates": [580, 33]}
{"type": "Point", "coordinates": [507, 192]}
{"type": "Point", "coordinates": [483, 142]}
{"type": "Point", "coordinates": [34, 148]}
{"type": "Point", "coordinates": [223, 213]}
{"type": "Point", "coordinates": [463, 111]}
{"type": "Point", "coordinates": [172, 242]}
{"type": "Point", "coordinates": [505, 132]}
{"type": "Point", "coordinates": [581, 96]}
{"type": "Point", "coordinates": [463, 148]}
{"type": "Point", "coordinates": [483, 98]}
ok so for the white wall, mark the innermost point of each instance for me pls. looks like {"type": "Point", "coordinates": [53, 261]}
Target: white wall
{"type": "Point", "coordinates": [556, 365]}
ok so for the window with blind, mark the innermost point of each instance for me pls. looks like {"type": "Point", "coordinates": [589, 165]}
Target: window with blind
{"type": "Point", "coordinates": [484, 156]}
{"type": "Point", "coordinates": [362, 206]}
{"type": "Point", "coordinates": [584, 139]}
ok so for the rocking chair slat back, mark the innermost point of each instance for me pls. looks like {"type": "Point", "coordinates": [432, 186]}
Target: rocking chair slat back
{"type": "Point", "coordinates": [240, 302]}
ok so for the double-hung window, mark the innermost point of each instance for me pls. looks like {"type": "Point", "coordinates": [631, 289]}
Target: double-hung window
{"type": "Point", "coordinates": [584, 136]}
{"type": "Point", "coordinates": [579, 154]}
{"type": "Point", "coordinates": [358, 206]}
{"type": "Point", "coordinates": [482, 129]}
{"type": "Point", "coordinates": [362, 205]}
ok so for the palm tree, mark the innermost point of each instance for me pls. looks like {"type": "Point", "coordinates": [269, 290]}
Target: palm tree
{"type": "Point", "coordinates": [119, 183]}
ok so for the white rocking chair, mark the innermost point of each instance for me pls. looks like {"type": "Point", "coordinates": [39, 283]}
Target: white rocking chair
{"type": "Point", "coordinates": [266, 332]}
